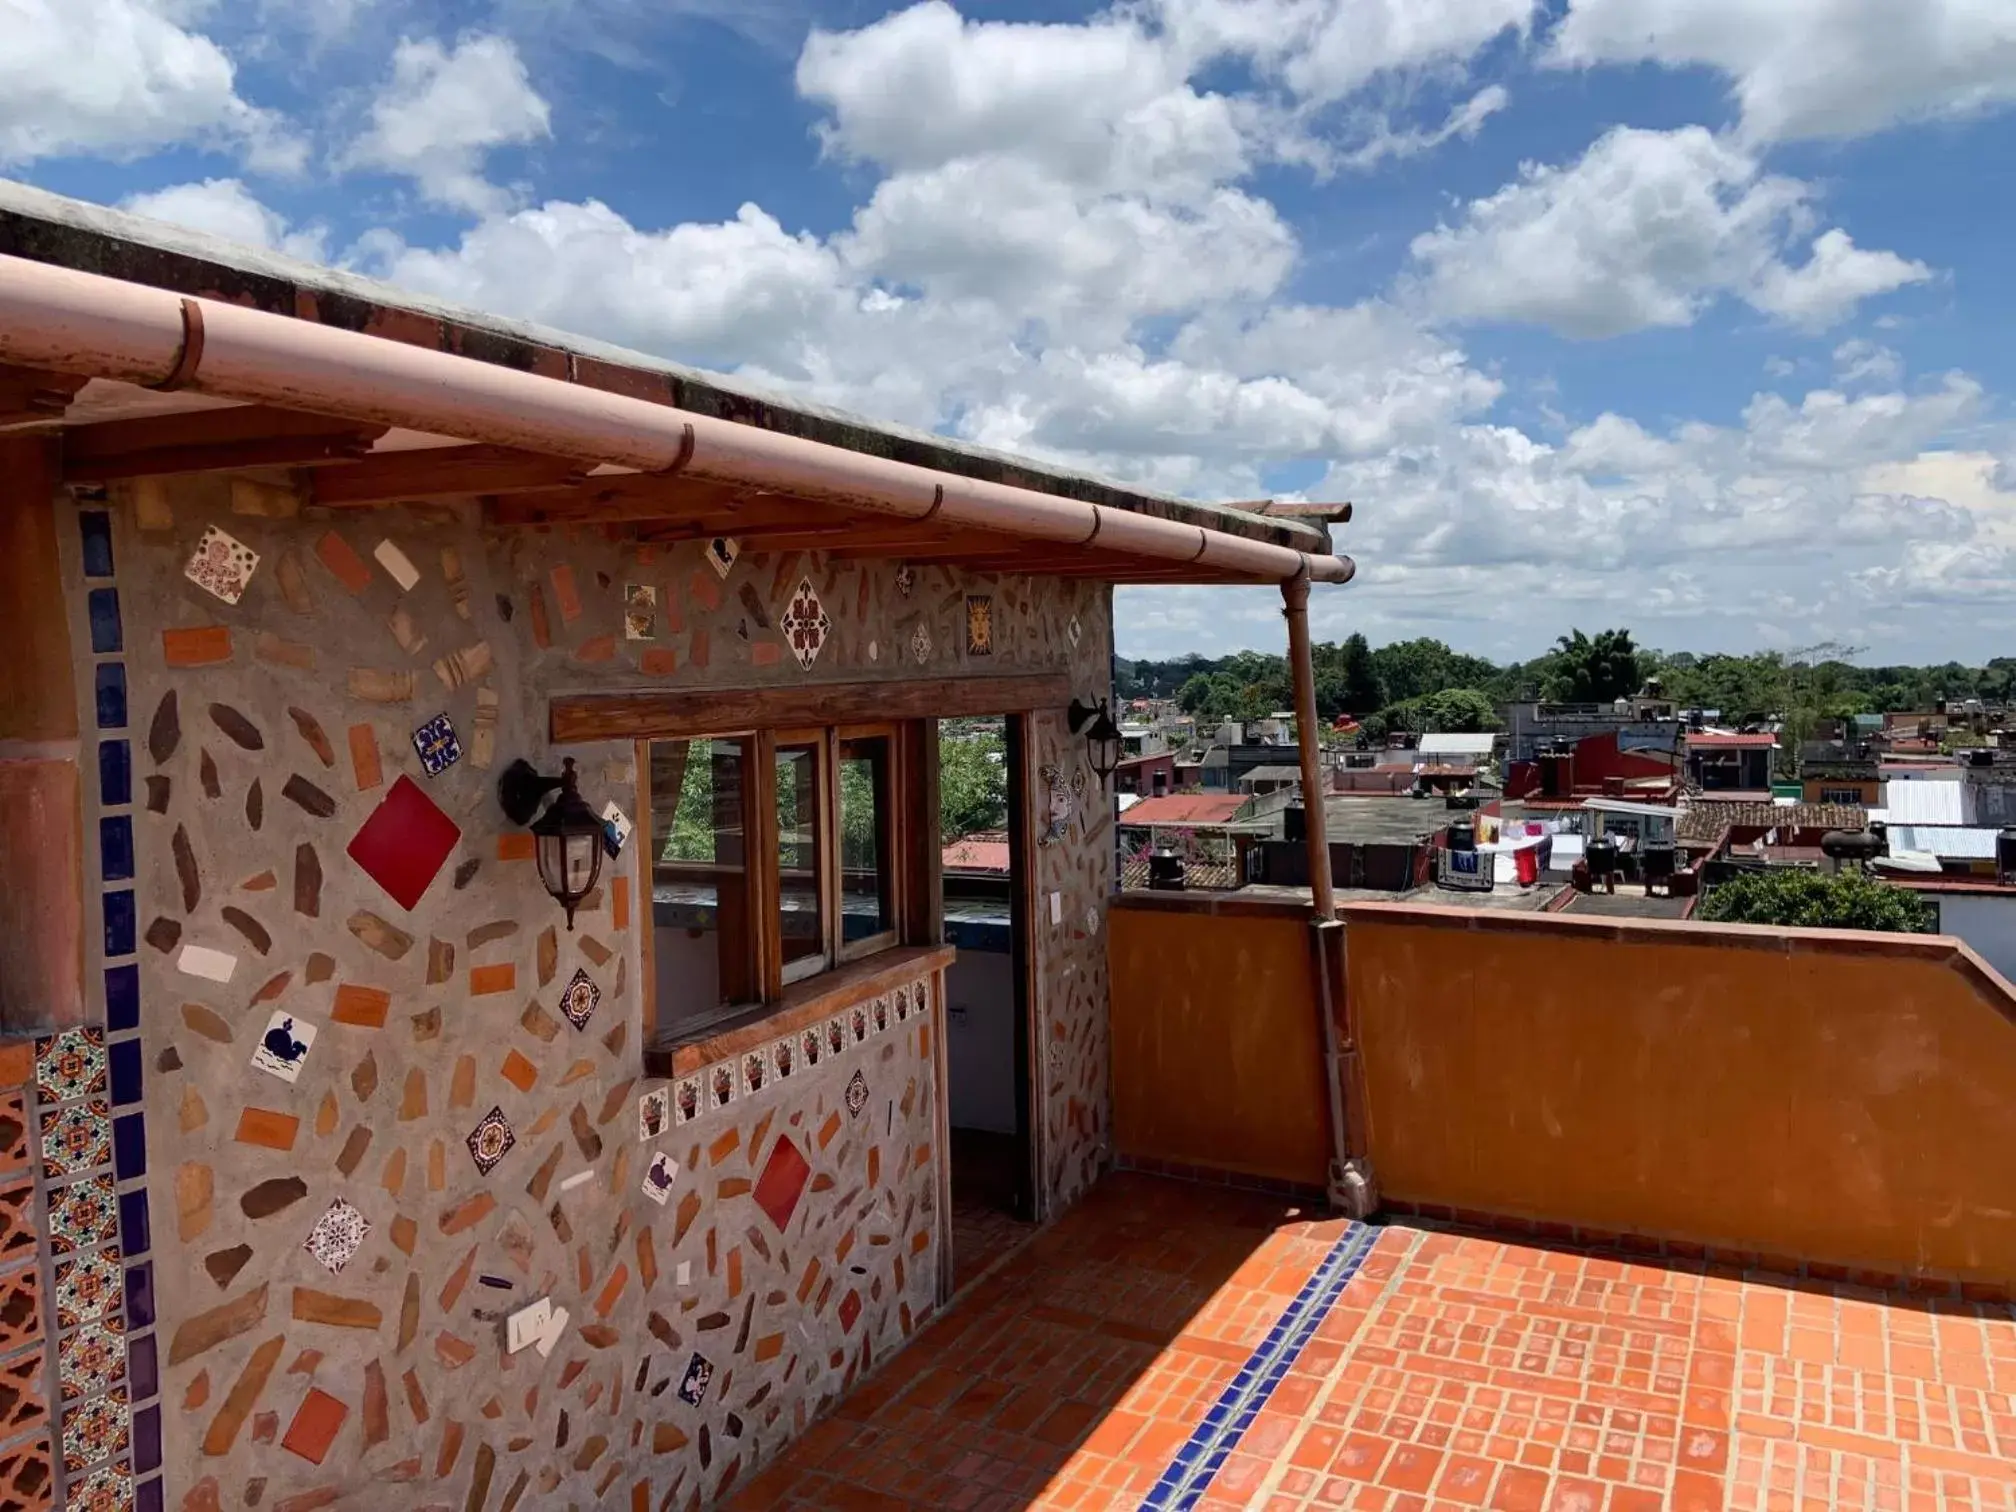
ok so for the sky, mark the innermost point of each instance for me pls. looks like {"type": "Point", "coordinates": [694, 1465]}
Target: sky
{"type": "Point", "coordinates": [1690, 316]}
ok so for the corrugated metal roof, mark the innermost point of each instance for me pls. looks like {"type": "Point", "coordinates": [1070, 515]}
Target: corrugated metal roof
{"type": "Point", "coordinates": [1957, 842]}
{"type": "Point", "coordinates": [1942, 803]}
{"type": "Point", "coordinates": [1452, 744]}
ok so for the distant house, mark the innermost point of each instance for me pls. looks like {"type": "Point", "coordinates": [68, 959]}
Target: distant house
{"type": "Point", "coordinates": [1724, 761]}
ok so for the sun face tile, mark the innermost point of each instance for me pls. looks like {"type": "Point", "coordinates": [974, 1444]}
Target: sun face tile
{"type": "Point", "coordinates": [83, 1213]}
{"type": "Point", "coordinates": [89, 1360]}
{"type": "Point", "coordinates": [87, 1286]}
{"type": "Point", "coordinates": [76, 1138]}
{"type": "Point", "coordinates": [438, 745]}
{"type": "Point", "coordinates": [491, 1140]}
{"type": "Point", "coordinates": [222, 565]}
{"type": "Point", "coordinates": [404, 844]}
{"type": "Point", "coordinates": [806, 625]}
{"type": "Point", "coordinates": [70, 1064]}
{"type": "Point", "coordinates": [979, 625]}
{"type": "Point", "coordinates": [337, 1236]}
{"type": "Point", "coordinates": [581, 999]}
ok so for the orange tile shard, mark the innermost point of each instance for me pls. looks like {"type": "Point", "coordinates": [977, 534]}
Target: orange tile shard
{"type": "Point", "coordinates": [485, 980]}
{"type": "Point", "coordinates": [316, 1423]}
{"type": "Point", "coordinates": [203, 646]}
{"type": "Point", "coordinates": [262, 1126]}
{"type": "Point", "coordinates": [364, 1007]}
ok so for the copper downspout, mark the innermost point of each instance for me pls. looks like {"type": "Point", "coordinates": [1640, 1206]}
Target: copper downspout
{"type": "Point", "coordinates": [74, 322]}
{"type": "Point", "coordinates": [1325, 931]}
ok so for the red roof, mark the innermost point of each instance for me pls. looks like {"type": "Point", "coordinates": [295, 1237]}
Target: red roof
{"type": "Point", "coordinates": [1185, 808]}
{"type": "Point", "coordinates": [988, 853]}
{"type": "Point", "coordinates": [1741, 742]}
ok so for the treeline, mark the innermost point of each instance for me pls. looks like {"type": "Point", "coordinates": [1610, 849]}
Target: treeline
{"type": "Point", "coordinates": [1424, 685]}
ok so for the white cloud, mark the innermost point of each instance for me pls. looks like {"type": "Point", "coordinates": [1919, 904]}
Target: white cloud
{"type": "Point", "coordinates": [443, 111]}
{"type": "Point", "coordinates": [1814, 68]}
{"type": "Point", "coordinates": [121, 78]}
{"type": "Point", "coordinates": [1326, 50]}
{"type": "Point", "coordinates": [1861, 361]}
{"type": "Point", "coordinates": [1646, 229]}
{"type": "Point", "coordinates": [226, 208]}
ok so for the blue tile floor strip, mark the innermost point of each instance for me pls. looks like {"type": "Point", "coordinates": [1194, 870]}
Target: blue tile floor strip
{"type": "Point", "coordinates": [1204, 1453]}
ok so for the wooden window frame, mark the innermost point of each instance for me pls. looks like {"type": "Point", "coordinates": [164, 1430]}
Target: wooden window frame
{"type": "Point", "coordinates": [909, 823]}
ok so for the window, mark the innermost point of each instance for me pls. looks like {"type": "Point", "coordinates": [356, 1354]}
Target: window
{"type": "Point", "coordinates": [1847, 795]}
{"type": "Point", "coordinates": [774, 858]}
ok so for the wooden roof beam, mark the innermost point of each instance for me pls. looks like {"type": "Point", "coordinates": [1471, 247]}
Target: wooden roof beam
{"type": "Point", "coordinates": [32, 395]}
{"type": "Point", "coordinates": [220, 440]}
{"type": "Point", "coordinates": [444, 473]}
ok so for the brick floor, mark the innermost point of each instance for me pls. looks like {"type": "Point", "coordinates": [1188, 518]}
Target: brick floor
{"type": "Point", "coordinates": [1453, 1372]}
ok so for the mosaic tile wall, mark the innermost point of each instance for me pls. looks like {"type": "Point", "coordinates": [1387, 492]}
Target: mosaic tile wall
{"type": "Point", "coordinates": [391, 1103]}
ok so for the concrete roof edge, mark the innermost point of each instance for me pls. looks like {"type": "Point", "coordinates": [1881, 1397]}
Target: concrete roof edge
{"type": "Point", "coordinates": [50, 228]}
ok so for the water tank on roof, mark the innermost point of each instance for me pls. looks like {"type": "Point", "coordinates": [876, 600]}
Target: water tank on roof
{"type": "Point", "coordinates": [2005, 855]}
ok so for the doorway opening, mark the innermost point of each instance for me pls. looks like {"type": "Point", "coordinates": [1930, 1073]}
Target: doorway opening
{"type": "Point", "coordinates": [986, 881]}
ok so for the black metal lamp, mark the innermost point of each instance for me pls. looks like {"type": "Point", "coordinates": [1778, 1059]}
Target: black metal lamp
{"type": "Point", "coordinates": [1102, 736]}
{"type": "Point", "coordinates": [567, 838]}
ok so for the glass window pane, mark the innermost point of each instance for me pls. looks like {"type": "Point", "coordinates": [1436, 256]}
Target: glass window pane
{"type": "Point", "coordinates": [700, 905]}
{"type": "Point", "coordinates": [864, 839]}
{"type": "Point", "coordinates": [802, 914]}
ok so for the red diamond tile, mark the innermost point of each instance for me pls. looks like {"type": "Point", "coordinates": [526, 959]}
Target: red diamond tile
{"type": "Point", "coordinates": [405, 841]}
{"type": "Point", "coordinates": [782, 1182]}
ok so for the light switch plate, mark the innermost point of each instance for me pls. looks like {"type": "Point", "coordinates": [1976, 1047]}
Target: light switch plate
{"type": "Point", "coordinates": [556, 1325]}
{"type": "Point", "coordinates": [685, 1272]}
{"type": "Point", "coordinates": [1056, 908]}
{"type": "Point", "coordinates": [527, 1324]}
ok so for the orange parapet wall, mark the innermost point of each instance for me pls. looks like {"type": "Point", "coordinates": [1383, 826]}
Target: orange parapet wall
{"type": "Point", "coordinates": [1823, 1098]}
{"type": "Point", "coordinates": [1217, 1049]}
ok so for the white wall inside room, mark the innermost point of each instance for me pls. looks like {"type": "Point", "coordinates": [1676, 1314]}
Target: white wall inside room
{"type": "Point", "coordinates": [980, 1040]}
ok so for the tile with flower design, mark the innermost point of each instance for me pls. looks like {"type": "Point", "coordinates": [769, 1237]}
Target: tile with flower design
{"type": "Point", "coordinates": [338, 1234]}
{"type": "Point", "coordinates": [82, 1214]}
{"type": "Point", "coordinates": [76, 1138]}
{"type": "Point", "coordinates": [70, 1064]}
{"type": "Point", "coordinates": [581, 999]}
{"type": "Point", "coordinates": [87, 1286]}
{"type": "Point", "coordinates": [109, 1488]}
{"type": "Point", "coordinates": [91, 1359]}
{"type": "Point", "coordinates": [95, 1430]}
{"type": "Point", "coordinates": [806, 624]}
{"type": "Point", "coordinates": [491, 1140]}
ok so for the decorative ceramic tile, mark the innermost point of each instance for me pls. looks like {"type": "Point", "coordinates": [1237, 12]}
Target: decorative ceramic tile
{"type": "Point", "coordinates": [337, 1235]}
{"type": "Point", "coordinates": [902, 1004]}
{"type": "Point", "coordinates": [94, 531]}
{"type": "Point", "coordinates": [115, 847]}
{"type": "Point", "coordinates": [87, 1285]}
{"type": "Point", "coordinates": [222, 565]}
{"type": "Point", "coordinates": [1074, 632]}
{"type": "Point", "coordinates": [836, 1034]}
{"type": "Point", "coordinates": [782, 1183]}
{"type": "Point", "coordinates": [95, 1430]}
{"type": "Point", "coordinates": [857, 1022]}
{"type": "Point", "coordinates": [920, 643]}
{"type": "Point", "coordinates": [806, 624]}
{"type": "Point", "coordinates": [857, 1094]}
{"type": "Point", "coordinates": [108, 635]}
{"type": "Point", "coordinates": [109, 695]}
{"type": "Point", "coordinates": [659, 1177]}
{"type": "Point", "coordinates": [284, 1047]}
{"type": "Point", "coordinates": [979, 625]}
{"type": "Point", "coordinates": [654, 1113]}
{"type": "Point", "coordinates": [812, 1045]}
{"type": "Point", "coordinates": [438, 745]}
{"type": "Point", "coordinates": [906, 579]}
{"type": "Point", "coordinates": [721, 554]}
{"type": "Point", "coordinates": [115, 773]}
{"type": "Point", "coordinates": [70, 1064]}
{"type": "Point", "coordinates": [616, 829]}
{"type": "Point", "coordinates": [83, 1214]}
{"type": "Point", "coordinates": [879, 1013]}
{"type": "Point", "coordinates": [784, 1057]}
{"type": "Point", "coordinates": [686, 1100]}
{"type": "Point", "coordinates": [755, 1072]}
{"type": "Point", "coordinates": [640, 611]}
{"type": "Point", "coordinates": [491, 1140]}
{"type": "Point", "coordinates": [76, 1138]}
{"type": "Point", "coordinates": [404, 844]}
{"type": "Point", "coordinates": [91, 1359]}
{"type": "Point", "coordinates": [107, 1489]}
{"type": "Point", "coordinates": [721, 1084]}
{"type": "Point", "coordinates": [581, 999]}
{"type": "Point", "coordinates": [693, 1386]}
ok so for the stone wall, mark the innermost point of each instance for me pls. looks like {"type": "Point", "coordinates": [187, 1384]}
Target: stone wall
{"type": "Point", "coordinates": [373, 1131]}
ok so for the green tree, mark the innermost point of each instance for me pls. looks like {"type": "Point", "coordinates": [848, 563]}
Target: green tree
{"type": "Point", "coordinates": [1360, 691]}
{"type": "Point", "coordinates": [972, 786]}
{"type": "Point", "coordinates": [1594, 669]}
{"type": "Point", "coordinates": [1799, 899]}
{"type": "Point", "coordinates": [1453, 710]}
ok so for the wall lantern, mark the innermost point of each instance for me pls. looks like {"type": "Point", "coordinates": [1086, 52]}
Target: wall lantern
{"type": "Point", "coordinates": [567, 838]}
{"type": "Point", "coordinates": [1102, 736]}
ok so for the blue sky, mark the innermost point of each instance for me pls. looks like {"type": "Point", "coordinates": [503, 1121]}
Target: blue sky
{"type": "Point", "coordinates": [1687, 315]}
